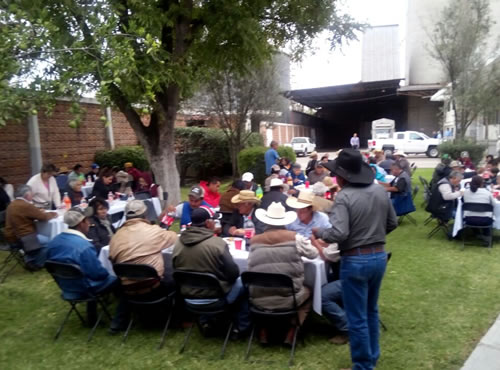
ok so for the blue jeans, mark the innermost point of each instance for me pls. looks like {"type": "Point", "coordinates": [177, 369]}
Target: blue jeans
{"type": "Point", "coordinates": [361, 277]}
{"type": "Point", "coordinates": [331, 296]}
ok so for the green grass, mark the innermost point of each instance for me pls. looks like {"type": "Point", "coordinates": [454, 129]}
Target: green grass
{"type": "Point", "coordinates": [437, 301]}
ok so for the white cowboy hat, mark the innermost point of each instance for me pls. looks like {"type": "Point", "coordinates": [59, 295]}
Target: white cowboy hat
{"type": "Point", "coordinates": [276, 182]}
{"type": "Point", "coordinates": [305, 199]}
{"type": "Point", "coordinates": [400, 153]}
{"type": "Point", "coordinates": [275, 215]}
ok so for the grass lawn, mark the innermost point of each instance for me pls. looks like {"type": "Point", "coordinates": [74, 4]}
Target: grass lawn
{"type": "Point", "coordinates": [436, 300]}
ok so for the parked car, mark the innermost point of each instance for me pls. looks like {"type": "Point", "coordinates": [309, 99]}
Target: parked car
{"type": "Point", "coordinates": [302, 145]}
{"type": "Point", "coordinates": [409, 142]}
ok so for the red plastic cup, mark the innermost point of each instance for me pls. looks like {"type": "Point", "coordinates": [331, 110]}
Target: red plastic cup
{"type": "Point", "coordinates": [249, 233]}
{"type": "Point", "coordinates": [307, 184]}
{"type": "Point", "coordinates": [237, 243]}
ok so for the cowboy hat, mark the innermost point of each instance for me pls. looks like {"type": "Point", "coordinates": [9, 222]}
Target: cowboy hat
{"type": "Point", "coordinates": [400, 153]}
{"type": "Point", "coordinates": [275, 215]}
{"type": "Point", "coordinates": [245, 196]}
{"type": "Point", "coordinates": [277, 182]}
{"type": "Point", "coordinates": [313, 154]}
{"type": "Point", "coordinates": [305, 199]}
{"type": "Point", "coordinates": [350, 166]}
{"type": "Point", "coordinates": [329, 182]}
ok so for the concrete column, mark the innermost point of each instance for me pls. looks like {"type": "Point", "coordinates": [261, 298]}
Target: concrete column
{"type": "Point", "coordinates": [34, 145]}
{"type": "Point", "coordinates": [109, 128]}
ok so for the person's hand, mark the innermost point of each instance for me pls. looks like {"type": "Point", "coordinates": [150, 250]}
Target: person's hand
{"type": "Point", "coordinates": [462, 191]}
{"type": "Point", "coordinates": [296, 180]}
{"type": "Point", "coordinates": [54, 214]}
{"type": "Point", "coordinates": [239, 232]}
{"type": "Point", "coordinates": [318, 243]}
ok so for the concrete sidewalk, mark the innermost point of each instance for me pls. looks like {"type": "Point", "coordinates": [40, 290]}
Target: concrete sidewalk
{"type": "Point", "coordinates": [486, 356]}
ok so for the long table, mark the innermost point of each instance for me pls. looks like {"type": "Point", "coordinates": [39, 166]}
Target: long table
{"type": "Point", "coordinates": [53, 227]}
{"type": "Point", "coordinates": [314, 270]}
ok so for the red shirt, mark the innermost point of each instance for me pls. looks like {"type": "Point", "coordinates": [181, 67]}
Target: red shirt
{"type": "Point", "coordinates": [210, 197]}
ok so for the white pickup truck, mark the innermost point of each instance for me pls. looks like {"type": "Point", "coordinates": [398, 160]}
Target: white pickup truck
{"type": "Point", "coordinates": [302, 145]}
{"type": "Point", "coordinates": [408, 142]}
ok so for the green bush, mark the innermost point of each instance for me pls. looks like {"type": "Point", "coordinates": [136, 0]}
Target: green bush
{"type": "Point", "coordinates": [119, 156]}
{"type": "Point", "coordinates": [288, 152]}
{"type": "Point", "coordinates": [255, 139]}
{"type": "Point", "coordinates": [454, 148]}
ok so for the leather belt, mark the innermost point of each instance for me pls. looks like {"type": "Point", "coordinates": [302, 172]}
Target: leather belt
{"type": "Point", "coordinates": [363, 250]}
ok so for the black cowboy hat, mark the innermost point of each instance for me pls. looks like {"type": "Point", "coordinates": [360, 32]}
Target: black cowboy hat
{"type": "Point", "coordinates": [350, 166]}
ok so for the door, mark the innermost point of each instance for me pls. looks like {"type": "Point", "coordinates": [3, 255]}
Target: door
{"type": "Point", "coordinates": [415, 143]}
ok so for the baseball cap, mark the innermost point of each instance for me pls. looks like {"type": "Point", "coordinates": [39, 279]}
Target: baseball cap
{"type": "Point", "coordinates": [94, 166]}
{"type": "Point", "coordinates": [135, 208]}
{"type": "Point", "coordinates": [456, 164]}
{"type": "Point", "coordinates": [203, 213]}
{"type": "Point", "coordinates": [247, 176]}
{"type": "Point", "coordinates": [196, 192]}
{"type": "Point", "coordinates": [75, 215]}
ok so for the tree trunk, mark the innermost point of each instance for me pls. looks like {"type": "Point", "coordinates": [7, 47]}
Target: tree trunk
{"type": "Point", "coordinates": [234, 149]}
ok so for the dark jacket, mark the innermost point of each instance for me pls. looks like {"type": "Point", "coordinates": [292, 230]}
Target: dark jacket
{"type": "Point", "coordinates": [437, 206]}
{"type": "Point", "coordinates": [311, 165]}
{"type": "Point", "coordinates": [197, 249]}
{"type": "Point", "coordinates": [237, 220]}
{"type": "Point", "coordinates": [275, 251]}
{"type": "Point", "coordinates": [76, 197]}
{"type": "Point", "coordinates": [4, 199]}
{"type": "Point", "coordinates": [98, 233]}
{"type": "Point", "coordinates": [100, 189]}
{"type": "Point", "coordinates": [273, 196]}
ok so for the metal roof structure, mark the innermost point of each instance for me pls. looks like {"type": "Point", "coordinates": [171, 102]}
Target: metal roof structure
{"type": "Point", "coordinates": [323, 97]}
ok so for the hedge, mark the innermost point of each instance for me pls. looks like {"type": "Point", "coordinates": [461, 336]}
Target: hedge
{"type": "Point", "coordinates": [455, 148]}
{"type": "Point", "coordinates": [201, 152]}
{"type": "Point", "coordinates": [252, 160]}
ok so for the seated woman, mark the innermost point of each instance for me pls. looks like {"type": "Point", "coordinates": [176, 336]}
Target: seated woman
{"type": "Point", "coordinates": [75, 192]}
{"type": "Point", "coordinates": [102, 186]}
{"type": "Point", "coordinates": [278, 250]}
{"type": "Point", "coordinates": [101, 229]}
{"type": "Point", "coordinates": [478, 194]}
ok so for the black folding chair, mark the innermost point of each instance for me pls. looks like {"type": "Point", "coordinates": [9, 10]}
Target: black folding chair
{"type": "Point", "coordinates": [145, 277]}
{"type": "Point", "coordinates": [413, 168]}
{"type": "Point", "coordinates": [117, 219]}
{"type": "Point", "coordinates": [15, 258]}
{"type": "Point", "coordinates": [190, 281]}
{"type": "Point", "coordinates": [142, 195]}
{"type": "Point", "coordinates": [64, 272]}
{"type": "Point", "coordinates": [477, 207]}
{"type": "Point", "coordinates": [427, 192]}
{"type": "Point", "coordinates": [260, 280]}
{"type": "Point", "coordinates": [408, 215]}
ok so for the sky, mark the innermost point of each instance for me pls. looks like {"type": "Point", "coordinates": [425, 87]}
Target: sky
{"type": "Point", "coordinates": [325, 67]}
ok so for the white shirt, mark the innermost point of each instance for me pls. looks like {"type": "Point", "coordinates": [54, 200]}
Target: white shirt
{"type": "Point", "coordinates": [40, 192]}
{"type": "Point", "coordinates": [483, 196]}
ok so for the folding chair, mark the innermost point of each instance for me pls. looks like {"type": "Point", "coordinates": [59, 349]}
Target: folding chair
{"type": "Point", "coordinates": [427, 191]}
{"type": "Point", "coordinates": [15, 258]}
{"type": "Point", "coordinates": [65, 272]}
{"type": "Point", "coordinates": [477, 207]}
{"type": "Point", "coordinates": [144, 277]}
{"type": "Point", "coordinates": [198, 282]}
{"type": "Point", "coordinates": [442, 225]}
{"type": "Point", "coordinates": [413, 168]}
{"type": "Point", "coordinates": [276, 281]}
{"type": "Point", "coordinates": [408, 215]}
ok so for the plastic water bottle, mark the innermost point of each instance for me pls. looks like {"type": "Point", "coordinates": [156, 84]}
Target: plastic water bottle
{"type": "Point", "coordinates": [66, 201]}
{"type": "Point", "coordinates": [259, 193]}
{"type": "Point", "coordinates": [111, 197]}
{"type": "Point", "coordinates": [83, 203]}
{"type": "Point", "coordinates": [89, 179]}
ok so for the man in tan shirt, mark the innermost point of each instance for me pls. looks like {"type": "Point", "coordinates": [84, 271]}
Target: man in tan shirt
{"type": "Point", "coordinates": [20, 226]}
{"type": "Point", "coordinates": [139, 242]}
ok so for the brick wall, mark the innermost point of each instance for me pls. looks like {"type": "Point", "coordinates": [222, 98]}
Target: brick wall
{"type": "Point", "coordinates": [60, 144]}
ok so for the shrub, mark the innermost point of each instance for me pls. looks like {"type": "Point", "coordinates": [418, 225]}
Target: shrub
{"type": "Point", "coordinates": [454, 148]}
{"type": "Point", "coordinates": [119, 156]}
{"type": "Point", "coordinates": [287, 151]}
{"type": "Point", "coordinates": [255, 139]}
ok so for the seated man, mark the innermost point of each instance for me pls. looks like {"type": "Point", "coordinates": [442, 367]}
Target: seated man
{"type": "Point", "coordinates": [94, 171]}
{"type": "Point", "coordinates": [296, 175]}
{"type": "Point", "coordinates": [197, 249]}
{"type": "Point", "coordinates": [247, 179]}
{"type": "Point", "coordinates": [183, 210]}
{"type": "Point", "coordinates": [244, 216]}
{"type": "Point", "coordinates": [442, 203]}
{"type": "Point", "coordinates": [401, 185]}
{"type": "Point", "coordinates": [20, 227]}
{"type": "Point", "coordinates": [318, 174]}
{"type": "Point", "coordinates": [275, 174]}
{"type": "Point", "coordinates": [137, 241]}
{"type": "Point", "coordinates": [74, 191]}
{"type": "Point", "coordinates": [280, 251]}
{"type": "Point", "coordinates": [226, 206]}
{"type": "Point", "coordinates": [307, 215]}
{"type": "Point", "coordinates": [211, 191]}
{"type": "Point", "coordinates": [72, 246]}
{"type": "Point", "coordinates": [276, 193]}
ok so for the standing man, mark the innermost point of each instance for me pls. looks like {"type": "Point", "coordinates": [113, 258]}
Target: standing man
{"type": "Point", "coordinates": [361, 217]}
{"type": "Point", "coordinates": [271, 156]}
{"type": "Point", "coordinates": [355, 141]}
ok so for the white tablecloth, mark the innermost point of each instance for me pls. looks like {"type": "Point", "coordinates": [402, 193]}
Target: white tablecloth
{"type": "Point", "coordinates": [87, 189]}
{"type": "Point", "coordinates": [457, 226]}
{"type": "Point", "coordinates": [56, 226]}
{"type": "Point", "coordinates": [314, 270]}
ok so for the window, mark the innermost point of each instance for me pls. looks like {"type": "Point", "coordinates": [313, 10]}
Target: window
{"type": "Point", "coordinates": [401, 136]}
{"type": "Point", "coordinates": [414, 136]}
{"type": "Point", "coordinates": [299, 140]}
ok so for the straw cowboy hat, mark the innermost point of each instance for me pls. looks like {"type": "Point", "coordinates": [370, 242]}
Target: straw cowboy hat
{"type": "Point", "coordinates": [350, 166]}
{"type": "Point", "coordinates": [305, 199]}
{"type": "Point", "coordinates": [313, 154]}
{"type": "Point", "coordinates": [245, 196]}
{"type": "Point", "coordinates": [275, 215]}
{"type": "Point", "coordinates": [400, 153]}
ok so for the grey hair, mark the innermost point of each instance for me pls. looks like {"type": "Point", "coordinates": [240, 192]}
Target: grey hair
{"type": "Point", "coordinates": [455, 174]}
{"type": "Point", "coordinates": [319, 189]}
{"type": "Point", "coordinates": [72, 183]}
{"type": "Point", "coordinates": [22, 190]}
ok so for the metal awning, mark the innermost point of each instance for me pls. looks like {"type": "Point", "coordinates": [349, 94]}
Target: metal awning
{"type": "Point", "coordinates": [423, 91]}
{"type": "Point", "coordinates": [322, 97]}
